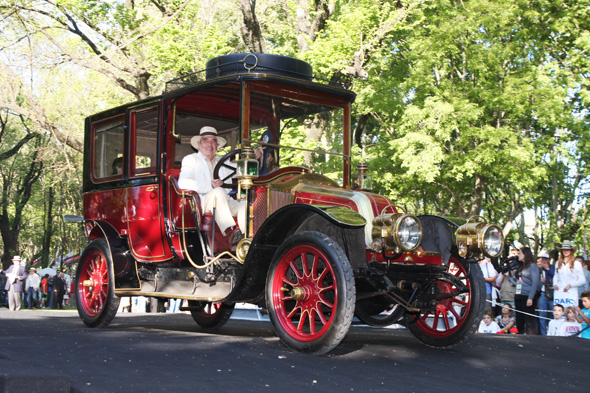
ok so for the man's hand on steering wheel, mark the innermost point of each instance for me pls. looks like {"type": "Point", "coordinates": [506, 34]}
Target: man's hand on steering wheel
{"type": "Point", "coordinates": [224, 162]}
{"type": "Point", "coordinates": [216, 183]}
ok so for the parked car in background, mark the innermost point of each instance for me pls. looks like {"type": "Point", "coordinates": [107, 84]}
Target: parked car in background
{"type": "Point", "coordinates": [3, 293]}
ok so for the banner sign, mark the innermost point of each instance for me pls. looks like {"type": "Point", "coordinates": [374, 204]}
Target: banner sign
{"type": "Point", "coordinates": [567, 299]}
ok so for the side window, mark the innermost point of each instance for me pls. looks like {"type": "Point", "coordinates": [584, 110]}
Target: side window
{"type": "Point", "coordinates": [108, 143]}
{"type": "Point", "coordinates": [144, 124]}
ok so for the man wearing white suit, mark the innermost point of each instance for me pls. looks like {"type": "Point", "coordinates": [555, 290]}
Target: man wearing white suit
{"type": "Point", "coordinates": [15, 282]}
{"type": "Point", "coordinates": [197, 174]}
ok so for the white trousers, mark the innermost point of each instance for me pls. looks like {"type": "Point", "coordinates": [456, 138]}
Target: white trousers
{"type": "Point", "coordinates": [13, 299]}
{"type": "Point", "coordinates": [226, 208]}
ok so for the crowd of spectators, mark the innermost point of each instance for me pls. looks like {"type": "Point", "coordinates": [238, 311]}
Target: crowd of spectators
{"type": "Point", "coordinates": [31, 291]}
{"type": "Point", "coordinates": [543, 297]}
{"type": "Point", "coordinates": [55, 292]}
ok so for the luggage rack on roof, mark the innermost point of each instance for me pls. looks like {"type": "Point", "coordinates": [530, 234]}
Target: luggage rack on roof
{"type": "Point", "coordinates": [244, 63]}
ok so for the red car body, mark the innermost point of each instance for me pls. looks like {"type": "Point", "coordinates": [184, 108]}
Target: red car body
{"type": "Point", "coordinates": [318, 247]}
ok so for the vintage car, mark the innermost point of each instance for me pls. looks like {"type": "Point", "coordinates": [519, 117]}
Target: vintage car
{"type": "Point", "coordinates": [318, 248]}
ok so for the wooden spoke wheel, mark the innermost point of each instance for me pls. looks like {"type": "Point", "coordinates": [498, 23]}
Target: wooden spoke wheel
{"type": "Point", "coordinates": [96, 302]}
{"type": "Point", "coordinates": [310, 293]}
{"type": "Point", "coordinates": [455, 318]}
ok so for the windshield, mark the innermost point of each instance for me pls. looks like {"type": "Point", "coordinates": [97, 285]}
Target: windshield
{"type": "Point", "coordinates": [298, 133]}
{"type": "Point", "coordinates": [287, 126]}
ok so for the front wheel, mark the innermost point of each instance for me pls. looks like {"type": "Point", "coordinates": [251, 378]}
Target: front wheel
{"type": "Point", "coordinates": [455, 317]}
{"type": "Point", "coordinates": [310, 293]}
{"type": "Point", "coordinates": [210, 315]}
{"type": "Point", "coordinates": [95, 298]}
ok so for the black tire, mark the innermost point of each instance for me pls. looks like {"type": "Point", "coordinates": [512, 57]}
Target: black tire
{"type": "Point", "coordinates": [244, 63]}
{"type": "Point", "coordinates": [210, 315]}
{"type": "Point", "coordinates": [95, 297]}
{"type": "Point", "coordinates": [464, 310]}
{"type": "Point", "coordinates": [378, 314]}
{"type": "Point", "coordinates": [310, 275]}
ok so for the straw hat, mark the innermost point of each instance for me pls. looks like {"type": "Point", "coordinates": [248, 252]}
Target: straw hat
{"type": "Point", "coordinates": [16, 258]}
{"type": "Point", "coordinates": [207, 131]}
{"type": "Point", "coordinates": [567, 245]}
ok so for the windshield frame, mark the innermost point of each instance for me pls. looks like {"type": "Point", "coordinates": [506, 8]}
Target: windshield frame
{"type": "Point", "coordinates": [303, 94]}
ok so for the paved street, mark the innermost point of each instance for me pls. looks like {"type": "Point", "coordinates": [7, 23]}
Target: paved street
{"type": "Point", "coordinates": [169, 353]}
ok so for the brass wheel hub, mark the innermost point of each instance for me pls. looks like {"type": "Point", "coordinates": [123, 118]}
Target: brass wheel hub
{"type": "Point", "coordinates": [298, 293]}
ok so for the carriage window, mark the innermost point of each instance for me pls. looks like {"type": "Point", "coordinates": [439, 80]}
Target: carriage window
{"type": "Point", "coordinates": [145, 124]}
{"type": "Point", "coordinates": [187, 126]}
{"type": "Point", "coordinates": [108, 148]}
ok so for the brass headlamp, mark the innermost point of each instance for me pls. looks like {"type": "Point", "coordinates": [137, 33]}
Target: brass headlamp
{"type": "Point", "coordinates": [396, 232]}
{"type": "Point", "coordinates": [478, 238]}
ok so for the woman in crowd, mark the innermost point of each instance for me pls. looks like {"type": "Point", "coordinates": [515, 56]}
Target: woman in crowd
{"type": "Point", "coordinates": [569, 273]}
{"type": "Point", "coordinates": [525, 297]}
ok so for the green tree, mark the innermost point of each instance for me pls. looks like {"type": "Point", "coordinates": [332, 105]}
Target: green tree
{"type": "Point", "coordinates": [18, 175]}
{"type": "Point", "coordinates": [459, 102]}
{"type": "Point", "coordinates": [462, 100]}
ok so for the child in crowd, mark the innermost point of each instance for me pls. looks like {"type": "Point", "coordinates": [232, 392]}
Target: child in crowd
{"type": "Point", "coordinates": [488, 325]}
{"type": "Point", "coordinates": [554, 324]}
{"type": "Point", "coordinates": [506, 320]}
{"type": "Point", "coordinates": [571, 326]}
{"type": "Point", "coordinates": [583, 315]}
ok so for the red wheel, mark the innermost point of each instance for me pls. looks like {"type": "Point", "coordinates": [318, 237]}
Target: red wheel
{"type": "Point", "coordinates": [454, 318]}
{"type": "Point", "coordinates": [96, 302]}
{"type": "Point", "coordinates": [210, 315]}
{"type": "Point", "coordinates": [310, 293]}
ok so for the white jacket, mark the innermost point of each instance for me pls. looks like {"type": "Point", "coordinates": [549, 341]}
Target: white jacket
{"type": "Point", "coordinates": [574, 277]}
{"type": "Point", "coordinates": [195, 174]}
{"type": "Point", "coordinates": [32, 281]}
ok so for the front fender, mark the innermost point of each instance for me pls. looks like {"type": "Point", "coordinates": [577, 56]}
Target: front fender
{"type": "Point", "coordinates": [284, 223]}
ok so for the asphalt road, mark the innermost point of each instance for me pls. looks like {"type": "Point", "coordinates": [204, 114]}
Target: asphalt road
{"type": "Point", "coordinates": [169, 353]}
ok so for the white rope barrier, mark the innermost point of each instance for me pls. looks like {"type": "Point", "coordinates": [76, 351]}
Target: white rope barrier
{"type": "Point", "coordinates": [534, 315]}
{"type": "Point", "coordinates": [522, 312]}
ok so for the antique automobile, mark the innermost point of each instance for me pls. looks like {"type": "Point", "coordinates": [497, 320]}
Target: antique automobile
{"type": "Point", "coordinates": [318, 247]}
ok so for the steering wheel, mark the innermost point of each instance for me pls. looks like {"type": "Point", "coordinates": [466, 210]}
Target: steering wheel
{"type": "Point", "coordinates": [223, 162]}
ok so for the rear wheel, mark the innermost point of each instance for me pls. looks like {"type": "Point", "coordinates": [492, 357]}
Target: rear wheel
{"type": "Point", "coordinates": [455, 318]}
{"type": "Point", "coordinates": [374, 313]}
{"type": "Point", "coordinates": [96, 301]}
{"type": "Point", "coordinates": [310, 293]}
{"type": "Point", "coordinates": [210, 315]}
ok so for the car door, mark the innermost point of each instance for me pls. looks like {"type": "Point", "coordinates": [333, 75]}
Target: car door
{"type": "Point", "coordinates": [143, 210]}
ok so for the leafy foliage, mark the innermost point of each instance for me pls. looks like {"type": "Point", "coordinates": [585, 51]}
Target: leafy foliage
{"type": "Point", "coordinates": [463, 107]}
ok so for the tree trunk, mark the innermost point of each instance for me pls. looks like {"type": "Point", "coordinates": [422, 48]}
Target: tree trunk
{"type": "Point", "coordinates": [308, 27]}
{"type": "Point", "coordinates": [314, 132]}
{"type": "Point", "coordinates": [13, 203]}
{"type": "Point", "coordinates": [250, 29]}
{"type": "Point", "coordinates": [48, 224]}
